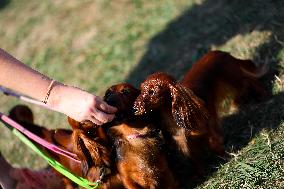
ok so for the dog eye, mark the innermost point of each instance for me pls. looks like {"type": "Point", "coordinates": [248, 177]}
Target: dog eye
{"type": "Point", "coordinates": [151, 92]}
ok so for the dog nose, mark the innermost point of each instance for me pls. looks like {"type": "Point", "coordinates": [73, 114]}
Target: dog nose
{"type": "Point", "coordinates": [111, 100]}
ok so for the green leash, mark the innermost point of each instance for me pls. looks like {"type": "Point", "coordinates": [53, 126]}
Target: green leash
{"type": "Point", "coordinates": [55, 164]}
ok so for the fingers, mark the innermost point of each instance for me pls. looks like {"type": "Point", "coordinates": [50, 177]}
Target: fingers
{"type": "Point", "coordinates": [101, 117]}
{"type": "Point", "coordinates": [81, 106]}
{"type": "Point", "coordinates": [96, 121]}
{"type": "Point", "coordinates": [103, 106]}
{"type": "Point", "coordinates": [101, 112]}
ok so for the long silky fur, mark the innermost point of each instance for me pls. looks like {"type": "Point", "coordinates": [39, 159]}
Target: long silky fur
{"type": "Point", "coordinates": [187, 109]}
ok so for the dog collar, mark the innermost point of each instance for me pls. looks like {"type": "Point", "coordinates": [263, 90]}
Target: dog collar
{"type": "Point", "coordinates": [137, 135]}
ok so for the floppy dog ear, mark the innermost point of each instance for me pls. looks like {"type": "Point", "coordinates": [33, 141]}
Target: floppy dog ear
{"type": "Point", "coordinates": [187, 109]}
{"type": "Point", "coordinates": [88, 125]}
{"type": "Point", "coordinates": [81, 125]}
{"type": "Point", "coordinates": [73, 123]}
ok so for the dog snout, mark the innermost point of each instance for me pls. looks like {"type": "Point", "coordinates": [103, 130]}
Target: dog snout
{"type": "Point", "coordinates": [111, 99]}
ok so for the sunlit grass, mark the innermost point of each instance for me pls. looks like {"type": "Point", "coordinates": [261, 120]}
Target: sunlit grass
{"type": "Point", "coordinates": [95, 44]}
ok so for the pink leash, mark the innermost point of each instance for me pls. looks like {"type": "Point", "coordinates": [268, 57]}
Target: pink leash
{"type": "Point", "coordinates": [29, 134]}
{"type": "Point", "coordinates": [37, 139]}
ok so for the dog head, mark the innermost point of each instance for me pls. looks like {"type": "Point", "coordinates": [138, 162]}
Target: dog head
{"type": "Point", "coordinates": [122, 96]}
{"type": "Point", "coordinates": [155, 92]}
{"type": "Point", "coordinates": [161, 90]}
{"type": "Point", "coordinates": [21, 113]}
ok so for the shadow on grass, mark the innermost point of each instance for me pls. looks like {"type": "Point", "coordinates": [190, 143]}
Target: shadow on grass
{"type": "Point", "coordinates": [4, 3]}
{"type": "Point", "coordinates": [241, 127]}
{"type": "Point", "coordinates": [213, 23]}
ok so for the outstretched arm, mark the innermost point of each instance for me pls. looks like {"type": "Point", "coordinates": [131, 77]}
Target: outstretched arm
{"type": "Point", "coordinates": [74, 102]}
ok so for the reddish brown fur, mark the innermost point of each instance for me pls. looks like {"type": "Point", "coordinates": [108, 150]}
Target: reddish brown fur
{"type": "Point", "coordinates": [140, 161]}
{"type": "Point", "coordinates": [91, 145]}
{"type": "Point", "coordinates": [122, 96]}
{"type": "Point", "coordinates": [217, 76]}
{"type": "Point", "coordinates": [66, 139]}
{"type": "Point", "coordinates": [183, 115]}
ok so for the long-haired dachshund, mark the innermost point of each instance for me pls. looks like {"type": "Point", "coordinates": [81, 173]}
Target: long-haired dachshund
{"type": "Point", "coordinates": [218, 76]}
{"type": "Point", "coordinates": [183, 115]}
{"type": "Point", "coordinates": [188, 109]}
{"type": "Point", "coordinates": [90, 146]}
{"type": "Point", "coordinates": [141, 163]}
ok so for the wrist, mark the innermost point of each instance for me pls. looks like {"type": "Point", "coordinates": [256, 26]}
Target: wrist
{"type": "Point", "coordinates": [55, 96]}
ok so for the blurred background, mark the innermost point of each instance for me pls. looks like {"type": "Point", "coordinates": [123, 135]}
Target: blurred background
{"type": "Point", "coordinates": [94, 44]}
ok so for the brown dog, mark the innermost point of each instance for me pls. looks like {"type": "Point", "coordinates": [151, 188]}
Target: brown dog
{"type": "Point", "coordinates": [141, 162]}
{"type": "Point", "coordinates": [189, 122]}
{"type": "Point", "coordinates": [24, 116]}
{"type": "Point", "coordinates": [86, 136]}
{"type": "Point", "coordinates": [183, 115]}
{"type": "Point", "coordinates": [90, 147]}
{"type": "Point", "coordinates": [218, 76]}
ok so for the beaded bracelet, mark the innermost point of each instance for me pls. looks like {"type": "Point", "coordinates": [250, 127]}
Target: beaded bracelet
{"type": "Point", "coordinates": [48, 91]}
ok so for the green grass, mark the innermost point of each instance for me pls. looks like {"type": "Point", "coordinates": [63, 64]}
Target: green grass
{"type": "Point", "coordinates": [94, 44]}
{"type": "Point", "coordinates": [256, 147]}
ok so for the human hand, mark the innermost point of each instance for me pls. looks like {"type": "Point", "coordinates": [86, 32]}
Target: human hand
{"type": "Point", "coordinates": [80, 105]}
